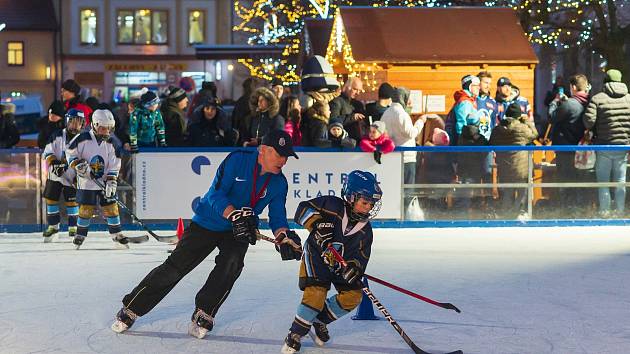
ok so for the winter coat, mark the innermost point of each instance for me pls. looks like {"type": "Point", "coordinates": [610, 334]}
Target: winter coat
{"type": "Point", "coordinates": [145, 127]}
{"type": "Point", "coordinates": [471, 164]}
{"type": "Point", "coordinates": [375, 111]}
{"type": "Point", "coordinates": [401, 129]}
{"type": "Point", "coordinates": [76, 103]}
{"type": "Point", "coordinates": [513, 166]}
{"type": "Point", "coordinates": [566, 120]}
{"type": "Point", "coordinates": [342, 142]}
{"type": "Point", "coordinates": [9, 134]}
{"type": "Point", "coordinates": [383, 144]}
{"type": "Point", "coordinates": [315, 131]}
{"type": "Point", "coordinates": [608, 115]}
{"type": "Point", "coordinates": [263, 122]}
{"type": "Point", "coordinates": [344, 107]}
{"type": "Point", "coordinates": [294, 131]}
{"type": "Point", "coordinates": [465, 106]}
{"type": "Point", "coordinates": [46, 129]}
{"type": "Point", "coordinates": [504, 102]}
{"type": "Point", "coordinates": [174, 123]}
{"type": "Point", "coordinates": [210, 133]}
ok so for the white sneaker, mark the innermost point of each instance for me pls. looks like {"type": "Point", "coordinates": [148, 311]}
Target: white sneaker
{"type": "Point", "coordinates": [119, 326]}
{"type": "Point", "coordinates": [197, 331]}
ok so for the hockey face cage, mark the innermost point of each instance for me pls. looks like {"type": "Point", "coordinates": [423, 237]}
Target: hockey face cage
{"type": "Point", "coordinates": [352, 198]}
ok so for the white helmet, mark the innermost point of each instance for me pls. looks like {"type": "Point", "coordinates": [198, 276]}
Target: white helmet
{"type": "Point", "coordinates": [103, 118]}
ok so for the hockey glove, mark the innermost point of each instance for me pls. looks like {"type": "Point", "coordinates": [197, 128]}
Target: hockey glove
{"type": "Point", "coordinates": [324, 232]}
{"type": "Point", "coordinates": [244, 225]}
{"type": "Point", "coordinates": [110, 188]}
{"type": "Point", "coordinates": [58, 168]}
{"type": "Point", "coordinates": [289, 245]}
{"type": "Point", "coordinates": [351, 273]}
{"type": "Point", "coordinates": [83, 169]}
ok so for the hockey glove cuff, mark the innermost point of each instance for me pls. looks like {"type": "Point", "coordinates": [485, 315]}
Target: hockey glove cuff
{"type": "Point", "coordinates": [83, 169]}
{"type": "Point", "coordinates": [289, 245]}
{"type": "Point", "coordinates": [244, 225]}
{"type": "Point", "coordinates": [352, 273]}
{"type": "Point", "coordinates": [110, 188]}
{"type": "Point", "coordinates": [58, 168]}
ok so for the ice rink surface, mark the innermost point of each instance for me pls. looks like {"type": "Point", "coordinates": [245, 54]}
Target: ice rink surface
{"type": "Point", "coordinates": [521, 290]}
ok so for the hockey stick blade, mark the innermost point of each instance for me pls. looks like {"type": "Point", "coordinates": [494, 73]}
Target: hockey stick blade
{"type": "Point", "coordinates": [167, 239]}
{"type": "Point", "coordinates": [138, 239]}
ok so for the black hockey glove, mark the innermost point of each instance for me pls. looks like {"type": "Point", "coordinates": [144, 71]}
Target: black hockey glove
{"type": "Point", "coordinates": [289, 245]}
{"type": "Point", "coordinates": [324, 233]}
{"type": "Point", "coordinates": [244, 225]}
{"type": "Point", "coordinates": [351, 273]}
{"type": "Point", "coordinates": [58, 167]}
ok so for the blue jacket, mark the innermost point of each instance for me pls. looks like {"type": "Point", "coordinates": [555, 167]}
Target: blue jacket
{"type": "Point", "coordinates": [233, 185]}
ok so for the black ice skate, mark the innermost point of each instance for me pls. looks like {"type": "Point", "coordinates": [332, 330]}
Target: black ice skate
{"type": "Point", "coordinates": [201, 324]}
{"type": "Point", "coordinates": [124, 320]}
{"type": "Point", "coordinates": [48, 234]}
{"type": "Point", "coordinates": [78, 240]}
{"type": "Point", "coordinates": [319, 333]}
{"type": "Point", "coordinates": [120, 241]}
{"type": "Point", "coordinates": [291, 343]}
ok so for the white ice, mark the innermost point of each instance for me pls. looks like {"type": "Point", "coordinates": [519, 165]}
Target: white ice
{"type": "Point", "coordinates": [521, 290]}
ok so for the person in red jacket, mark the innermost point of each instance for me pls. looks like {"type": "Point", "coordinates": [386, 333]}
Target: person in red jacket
{"type": "Point", "coordinates": [70, 94]}
{"type": "Point", "coordinates": [377, 141]}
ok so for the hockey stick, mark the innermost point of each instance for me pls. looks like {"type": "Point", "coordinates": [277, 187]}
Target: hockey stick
{"type": "Point", "coordinates": [167, 239]}
{"type": "Point", "coordinates": [384, 311]}
{"type": "Point", "coordinates": [444, 305]}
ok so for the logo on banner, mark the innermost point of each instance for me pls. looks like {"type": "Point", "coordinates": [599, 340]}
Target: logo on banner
{"type": "Point", "coordinates": [197, 162]}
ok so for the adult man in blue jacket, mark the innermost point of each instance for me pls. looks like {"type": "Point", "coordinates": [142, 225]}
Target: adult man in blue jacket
{"type": "Point", "coordinates": [226, 217]}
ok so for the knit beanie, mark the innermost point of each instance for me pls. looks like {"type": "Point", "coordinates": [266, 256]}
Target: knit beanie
{"type": "Point", "coordinates": [149, 99]}
{"type": "Point", "coordinates": [380, 126]}
{"type": "Point", "coordinates": [177, 94]}
{"type": "Point", "coordinates": [613, 75]}
{"type": "Point", "coordinates": [470, 80]}
{"type": "Point", "coordinates": [401, 95]}
{"type": "Point", "coordinates": [440, 137]}
{"type": "Point", "coordinates": [72, 86]}
{"type": "Point", "coordinates": [57, 108]}
{"type": "Point", "coordinates": [513, 111]}
{"type": "Point", "coordinates": [335, 122]}
{"type": "Point", "coordinates": [385, 91]}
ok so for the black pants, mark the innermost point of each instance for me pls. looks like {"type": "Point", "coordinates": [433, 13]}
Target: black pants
{"type": "Point", "coordinates": [196, 244]}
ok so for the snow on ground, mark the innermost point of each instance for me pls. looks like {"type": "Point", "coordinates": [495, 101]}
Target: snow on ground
{"type": "Point", "coordinates": [521, 290]}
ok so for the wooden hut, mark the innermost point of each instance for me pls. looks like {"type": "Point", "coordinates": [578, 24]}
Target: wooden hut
{"type": "Point", "coordinates": [431, 49]}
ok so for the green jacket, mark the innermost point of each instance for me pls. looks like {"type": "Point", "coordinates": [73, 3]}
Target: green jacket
{"type": "Point", "coordinates": [145, 126]}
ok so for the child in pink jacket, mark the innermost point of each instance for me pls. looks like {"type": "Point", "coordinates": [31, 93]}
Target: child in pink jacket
{"type": "Point", "coordinates": [377, 141]}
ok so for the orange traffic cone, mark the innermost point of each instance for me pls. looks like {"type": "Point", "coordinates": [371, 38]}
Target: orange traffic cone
{"type": "Point", "coordinates": [180, 228]}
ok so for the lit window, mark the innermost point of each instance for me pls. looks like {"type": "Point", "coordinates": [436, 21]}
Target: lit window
{"type": "Point", "coordinates": [88, 26]}
{"type": "Point", "coordinates": [15, 53]}
{"type": "Point", "coordinates": [142, 26]}
{"type": "Point", "coordinates": [196, 26]}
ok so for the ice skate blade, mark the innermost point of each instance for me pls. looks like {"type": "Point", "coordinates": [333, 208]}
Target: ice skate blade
{"type": "Point", "coordinates": [318, 342]}
{"type": "Point", "coordinates": [119, 327]}
{"type": "Point", "coordinates": [287, 350]}
{"type": "Point", "coordinates": [196, 331]}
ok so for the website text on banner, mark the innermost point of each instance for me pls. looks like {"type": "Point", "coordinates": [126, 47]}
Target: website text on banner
{"type": "Point", "coordinates": [169, 184]}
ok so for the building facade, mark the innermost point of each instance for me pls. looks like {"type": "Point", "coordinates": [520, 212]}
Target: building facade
{"type": "Point", "coordinates": [113, 48]}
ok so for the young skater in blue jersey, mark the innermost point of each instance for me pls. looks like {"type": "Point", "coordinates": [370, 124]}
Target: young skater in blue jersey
{"type": "Point", "coordinates": [342, 223]}
{"type": "Point", "coordinates": [226, 218]}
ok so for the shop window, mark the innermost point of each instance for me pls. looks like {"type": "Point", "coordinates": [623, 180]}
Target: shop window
{"type": "Point", "coordinates": [15, 53]}
{"type": "Point", "coordinates": [142, 26]}
{"type": "Point", "coordinates": [196, 26]}
{"type": "Point", "coordinates": [88, 26]}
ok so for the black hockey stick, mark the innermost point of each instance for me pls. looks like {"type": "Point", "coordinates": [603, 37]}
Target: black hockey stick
{"type": "Point", "coordinates": [386, 313]}
{"type": "Point", "coordinates": [167, 239]}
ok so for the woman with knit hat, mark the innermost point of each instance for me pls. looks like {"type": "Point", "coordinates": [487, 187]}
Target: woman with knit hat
{"type": "Point", "coordinates": [174, 117]}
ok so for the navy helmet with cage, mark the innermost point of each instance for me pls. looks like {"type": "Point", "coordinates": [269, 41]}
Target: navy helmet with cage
{"type": "Point", "coordinates": [72, 115]}
{"type": "Point", "coordinates": [362, 184]}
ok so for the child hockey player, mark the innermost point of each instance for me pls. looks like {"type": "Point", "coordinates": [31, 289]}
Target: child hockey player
{"type": "Point", "coordinates": [342, 223]}
{"type": "Point", "coordinates": [60, 178]}
{"type": "Point", "coordinates": [93, 156]}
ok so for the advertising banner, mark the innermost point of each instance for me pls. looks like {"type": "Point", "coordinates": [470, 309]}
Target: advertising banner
{"type": "Point", "coordinates": [169, 184]}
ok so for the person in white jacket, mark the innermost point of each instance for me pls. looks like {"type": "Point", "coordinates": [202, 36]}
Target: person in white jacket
{"type": "Point", "coordinates": [402, 130]}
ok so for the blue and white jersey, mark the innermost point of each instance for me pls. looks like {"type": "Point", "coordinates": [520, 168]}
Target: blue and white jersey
{"type": "Point", "coordinates": [101, 156]}
{"type": "Point", "coordinates": [56, 150]}
{"type": "Point", "coordinates": [487, 111]}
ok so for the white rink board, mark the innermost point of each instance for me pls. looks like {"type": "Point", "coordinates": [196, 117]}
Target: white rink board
{"type": "Point", "coordinates": [167, 184]}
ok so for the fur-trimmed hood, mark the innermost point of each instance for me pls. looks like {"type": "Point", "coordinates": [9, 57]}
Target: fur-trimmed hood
{"type": "Point", "coordinates": [274, 106]}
